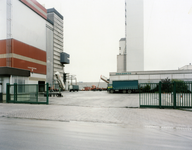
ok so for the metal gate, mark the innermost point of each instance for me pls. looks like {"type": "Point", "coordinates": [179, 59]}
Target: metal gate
{"type": "Point", "coordinates": [166, 95]}
{"type": "Point", "coordinates": [27, 93]}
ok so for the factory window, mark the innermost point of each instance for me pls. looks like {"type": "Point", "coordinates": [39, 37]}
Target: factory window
{"type": "Point", "coordinates": [119, 48]}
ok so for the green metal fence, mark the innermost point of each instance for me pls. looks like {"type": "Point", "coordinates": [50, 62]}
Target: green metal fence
{"type": "Point", "coordinates": [148, 95]}
{"type": "Point", "coordinates": [54, 87]}
{"type": "Point", "coordinates": [183, 95]}
{"type": "Point", "coordinates": [166, 95]}
{"type": "Point", "coordinates": [27, 93]}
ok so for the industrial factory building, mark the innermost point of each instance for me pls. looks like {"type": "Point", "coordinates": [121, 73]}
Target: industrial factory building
{"type": "Point", "coordinates": [130, 61]}
{"type": "Point", "coordinates": [31, 43]}
{"type": "Point", "coordinates": [131, 48]}
{"type": "Point", "coordinates": [184, 73]}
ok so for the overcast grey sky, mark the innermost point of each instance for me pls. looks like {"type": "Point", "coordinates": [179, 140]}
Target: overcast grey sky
{"type": "Point", "coordinates": [93, 28]}
{"type": "Point", "coordinates": [168, 34]}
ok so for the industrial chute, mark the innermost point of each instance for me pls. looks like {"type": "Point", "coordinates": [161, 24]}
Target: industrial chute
{"type": "Point", "coordinates": [60, 81]}
{"type": "Point", "coordinates": [104, 79]}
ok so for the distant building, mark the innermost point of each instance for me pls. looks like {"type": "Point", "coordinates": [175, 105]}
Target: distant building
{"type": "Point", "coordinates": [153, 76]}
{"type": "Point", "coordinates": [131, 48]}
{"type": "Point", "coordinates": [58, 57]}
{"type": "Point", "coordinates": [186, 67]}
{"type": "Point", "coordinates": [31, 43]}
{"type": "Point", "coordinates": [121, 58]}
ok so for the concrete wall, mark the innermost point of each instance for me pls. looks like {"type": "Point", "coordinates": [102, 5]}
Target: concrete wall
{"type": "Point", "coordinates": [32, 82]}
{"type": "Point", "coordinates": [37, 77]}
{"type": "Point", "coordinates": [134, 35]}
{"type": "Point", "coordinates": [121, 63]}
{"type": "Point", "coordinates": [4, 81]}
{"type": "Point", "coordinates": [49, 40]}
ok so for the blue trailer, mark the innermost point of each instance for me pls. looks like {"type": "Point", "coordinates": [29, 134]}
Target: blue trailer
{"type": "Point", "coordinates": [124, 86]}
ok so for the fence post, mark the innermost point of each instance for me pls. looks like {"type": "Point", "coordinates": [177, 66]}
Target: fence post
{"type": "Point", "coordinates": [15, 92]}
{"type": "Point", "coordinates": [191, 94]}
{"type": "Point", "coordinates": [7, 93]}
{"type": "Point", "coordinates": [139, 95]}
{"type": "Point", "coordinates": [174, 95]}
{"type": "Point", "coordinates": [47, 92]}
{"type": "Point", "coordinates": [160, 94]}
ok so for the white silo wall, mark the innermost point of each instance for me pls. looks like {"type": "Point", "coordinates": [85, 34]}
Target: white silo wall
{"type": "Point", "coordinates": [134, 35]}
{"type": "Point", "coordinates": [122, 46]}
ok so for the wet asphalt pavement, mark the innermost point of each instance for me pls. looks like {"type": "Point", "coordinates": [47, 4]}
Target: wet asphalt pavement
{"type": "Point", "coordinates": [93, 120]}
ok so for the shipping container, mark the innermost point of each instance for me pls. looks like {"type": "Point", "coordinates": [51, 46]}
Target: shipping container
{"type": "Point", "coordinates": [126, 86]}
{"type": "Point", "coordinates": [73, 88]}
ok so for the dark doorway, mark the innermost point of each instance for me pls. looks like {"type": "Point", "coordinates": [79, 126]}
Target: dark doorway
{"type": "Point", "coordinates": [41, 86]}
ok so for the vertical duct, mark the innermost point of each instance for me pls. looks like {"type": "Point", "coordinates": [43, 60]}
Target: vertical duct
{"type": "Point", "coordinates": [8, 40]}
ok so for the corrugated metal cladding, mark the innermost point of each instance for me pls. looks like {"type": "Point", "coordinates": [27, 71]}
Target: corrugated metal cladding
{"type": "Point", "coordinates": [152, 76]}
{"type": "Point", "coordinates": [57, 20]}
{"type": "Point", "coordinates": [121, 63]}
{"type": "Point", "coordinates": [35, 6]}
{"type": "Point", "coordinates": [24, 56]}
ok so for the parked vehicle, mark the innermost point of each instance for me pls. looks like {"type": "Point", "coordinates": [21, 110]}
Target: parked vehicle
{"type": "Point", "coordinates": [126, 86]}
{"type": "Point", "coordinates": [73, 88]}
{"type": "Point", "coordinates": [87, 88]}
{"type": "Point", "coordinates": [94, 88]}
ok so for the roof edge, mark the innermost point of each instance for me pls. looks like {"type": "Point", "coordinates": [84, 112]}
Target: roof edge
{"type": "Point", "coordinates": [50, 10]}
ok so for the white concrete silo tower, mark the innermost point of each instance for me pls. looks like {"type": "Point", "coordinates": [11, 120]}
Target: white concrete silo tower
{"type": "Point", "coordinates": [134, 33]}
